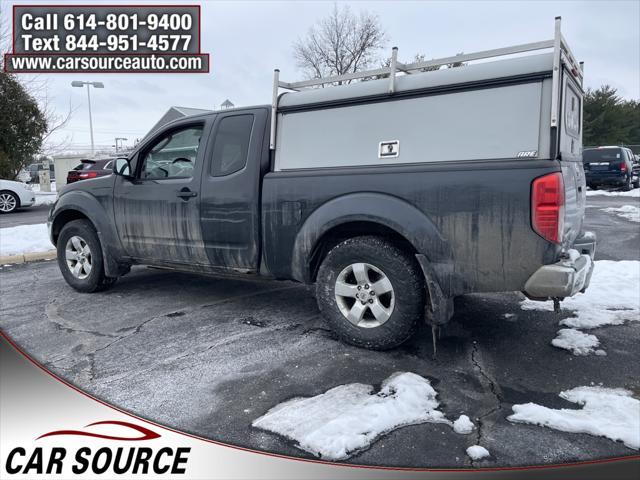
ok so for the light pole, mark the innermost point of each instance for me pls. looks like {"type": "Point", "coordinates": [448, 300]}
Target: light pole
{"type": "Point", "coordinates": [95, 85]}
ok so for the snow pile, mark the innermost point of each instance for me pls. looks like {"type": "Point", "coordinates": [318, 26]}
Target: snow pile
{"type": "Point", "coordinates": [45, 199]}
{"type": "Point", "coordinates": [463, 425]}
{"type": "Point", "coordinates": [350, 417]}
{"type": "Point", "coordinates": [476, 452]}
{"type": "Point", "coordinates": [635, 193]}
{"type": "Point", "coordinates": [629, 212]}
{"type": "Point", "coordinates": [574, 340]}
{"type": "Point", "coordinates": [612, 298]}
{"type": "Point", "coordinates": [36, 188]}
{"type": "Point", "coordinates": [24, 239]}
{"type": "Point", "coordinates": [606, 412]}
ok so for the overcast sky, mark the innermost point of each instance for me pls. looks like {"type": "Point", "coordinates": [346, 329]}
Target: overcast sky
{"type": "Point", "coordinates": [247, 40]}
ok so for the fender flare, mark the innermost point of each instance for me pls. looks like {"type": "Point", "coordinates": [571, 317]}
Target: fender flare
{"type": "Point", "coordinates": [387, 210]}
{"type": "Point", "coordinates": [91, 208]}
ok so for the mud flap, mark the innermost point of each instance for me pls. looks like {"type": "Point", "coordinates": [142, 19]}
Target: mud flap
{"type": "Point", "coordinates": [439, 307]}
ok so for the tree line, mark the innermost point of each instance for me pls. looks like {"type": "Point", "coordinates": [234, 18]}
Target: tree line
{"type": "Point", "coordinates": [610, 119]}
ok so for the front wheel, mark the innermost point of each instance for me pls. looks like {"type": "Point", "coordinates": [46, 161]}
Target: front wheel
{"type": "Point", "coordinates": [9, 202]}
{"type": "Point", "coordinates": [80, 257]}
{"type": "Point", "coordinates": [370, 292]}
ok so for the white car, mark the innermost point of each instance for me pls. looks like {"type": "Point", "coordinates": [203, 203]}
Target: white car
{"type": "Point", "coordinates": [15, 195]}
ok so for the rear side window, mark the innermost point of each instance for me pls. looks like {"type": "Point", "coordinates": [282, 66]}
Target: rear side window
{"type": "Point", "coordinates": [231, 146]}
{"type": "Point", "coordinates": [572, 112]}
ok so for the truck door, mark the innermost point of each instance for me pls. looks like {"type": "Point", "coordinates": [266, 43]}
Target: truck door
{"type": "Point", "coordinates": [230, 189]}
{"type": "Point", "coordinates": [157, 211]}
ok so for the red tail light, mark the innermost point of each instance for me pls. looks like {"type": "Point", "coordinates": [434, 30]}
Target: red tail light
{"type": "Point", "coordinates": [623, 167]}
{"type": "Point", "coordinates": [88, 175]}
{"type": "Point", "coordinates": [547, 206]}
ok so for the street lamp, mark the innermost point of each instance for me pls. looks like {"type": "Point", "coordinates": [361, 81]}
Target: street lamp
{"type": "Point", "coordinates": [95, 85]}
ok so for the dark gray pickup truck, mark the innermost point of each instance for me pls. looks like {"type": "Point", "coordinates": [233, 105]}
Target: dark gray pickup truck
{"type": "Point", "coordinates": [393, 196]}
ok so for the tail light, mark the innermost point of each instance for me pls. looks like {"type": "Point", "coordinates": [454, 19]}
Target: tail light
{"type": "Point", "coordinates": [547, 206]}
{"type": "Point", "coordinates": [88, 175]}
{"type": "Point", "coordinates": [623, 167]}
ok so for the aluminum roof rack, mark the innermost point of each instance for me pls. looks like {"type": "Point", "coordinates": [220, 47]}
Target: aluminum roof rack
{"type": "Point", "coordinates": [561, 50]}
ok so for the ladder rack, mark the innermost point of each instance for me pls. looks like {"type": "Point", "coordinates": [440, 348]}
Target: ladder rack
{"type": "Point", "coordinates": [561, 55]}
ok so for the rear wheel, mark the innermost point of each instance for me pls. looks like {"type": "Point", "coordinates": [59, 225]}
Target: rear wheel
{"type": "Point", "coordinates": [370, 292]}
{"type": "Point", "coordinates": [628, 185]}
{"type": "Point", "coordinates": [80, 257]}
{"type": "Point", "coordinates": [9, 202]}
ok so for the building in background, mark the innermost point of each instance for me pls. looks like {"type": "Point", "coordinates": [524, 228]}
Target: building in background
{"type": "Point", "coordinates": [173, 114]}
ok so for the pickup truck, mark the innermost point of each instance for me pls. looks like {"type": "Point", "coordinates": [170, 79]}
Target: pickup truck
{"type": "Point", "coordinates": [393, 196]}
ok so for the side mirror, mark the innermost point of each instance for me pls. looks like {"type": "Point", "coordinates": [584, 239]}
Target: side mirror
{"type": "Point", "coordinates": [122, 167]}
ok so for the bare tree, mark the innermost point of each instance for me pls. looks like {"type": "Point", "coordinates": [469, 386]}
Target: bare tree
{"type": "Point", "coordinates": [38, 88]}
{"type": "Point", "coordinates": [5, 34]}
{"type": "Point", "coordinates": [340, 43]}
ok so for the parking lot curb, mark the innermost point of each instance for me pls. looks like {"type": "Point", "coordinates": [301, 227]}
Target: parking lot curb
{"type": "Point", "coordinates": [27, 257]}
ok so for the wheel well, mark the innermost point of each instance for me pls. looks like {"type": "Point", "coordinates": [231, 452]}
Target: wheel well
{"type": "Point", "coordinates": [62, 219]}
{"type": "Point", "coordinates": [14, 194]}
{"type": "Point", "coordinates": [342, 232]}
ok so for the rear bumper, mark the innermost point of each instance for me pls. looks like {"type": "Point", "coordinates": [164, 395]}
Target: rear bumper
{"type": "Point", "coordinates": [566, 277]}
{"type": "Point", "coordinates": [606, 179]}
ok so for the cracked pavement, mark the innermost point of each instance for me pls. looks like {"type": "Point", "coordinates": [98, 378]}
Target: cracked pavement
{"type": "Point", "coordinates": [208, 355]}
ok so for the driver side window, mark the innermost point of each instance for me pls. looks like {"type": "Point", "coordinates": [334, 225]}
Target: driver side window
{"type": "Point", "coordinates": [172, 156]}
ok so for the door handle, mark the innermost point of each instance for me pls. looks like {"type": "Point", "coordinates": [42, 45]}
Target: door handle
{"type": "Point", "coordinates": [186, 194]}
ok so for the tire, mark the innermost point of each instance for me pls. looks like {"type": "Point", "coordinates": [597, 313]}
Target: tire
{"type": "Point", "coordinates": [636, 184]}
{"type": "Point", "coordinates": [628, 185]}
{"type": "Point", "coordinates": [403, 306]}
{"type": "Point", "coordinates": [80, 258]}
{"type": "Point", "coordinates": [9, 202]}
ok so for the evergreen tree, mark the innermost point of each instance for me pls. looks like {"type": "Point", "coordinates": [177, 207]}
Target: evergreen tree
{"type": "Point", "coordinates": [610, 120]}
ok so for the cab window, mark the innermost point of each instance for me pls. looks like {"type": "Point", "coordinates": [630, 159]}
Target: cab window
{"type": "Point", "coordinates": [173, 155]}
{"type": "Point", "coordinates": [231, 146]}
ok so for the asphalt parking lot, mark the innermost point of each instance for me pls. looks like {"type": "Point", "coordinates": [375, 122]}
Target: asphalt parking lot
{"type": "Point", "coordinates": [209, 355]}
{"type": "Point", "coordinates": [25, 216]}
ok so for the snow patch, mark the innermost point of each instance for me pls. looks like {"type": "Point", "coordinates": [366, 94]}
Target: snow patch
{"type": "Point", "coordinates": [36, 188]}
{"type": "Point", "coordinates": [24, 239]}
{"type": "Point", "coordinates": [463, 425]}
{"type": "Point", "coordinates": [606, 412]}
{"type": "Point", "coordinates": [577, 342]}
{"type": "Point", "coordinates": [349, 418]}
{"type": "Point", "coordinates": [629, 212]}
{"type": "Point", "coordinates": [476, 452]}
{"type": "Point", "coordinates": [635, 193]}
{"type": "Point", "coordinates": [612, 298]}
{"type": "Point", "coordinates": [45, 199]}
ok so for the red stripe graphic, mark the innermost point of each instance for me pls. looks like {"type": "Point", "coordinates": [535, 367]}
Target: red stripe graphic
{"type": "Point", "coordinates": [146, 433]}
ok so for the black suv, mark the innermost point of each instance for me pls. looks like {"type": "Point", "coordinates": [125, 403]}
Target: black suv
{"type": "Point", "coordinates": [610, 166]}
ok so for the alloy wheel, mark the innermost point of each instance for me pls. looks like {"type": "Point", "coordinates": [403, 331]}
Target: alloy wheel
{"type": "Point", "coordinates": [364, 295]}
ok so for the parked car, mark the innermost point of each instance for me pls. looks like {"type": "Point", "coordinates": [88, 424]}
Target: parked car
{"type": "Point", "coordinates": [35, 169]}
{"type": "Point", "coordinates": [90, 169]}
{"type": "Point", "coordinates": [393, 196]}
{"type": "Point", "coordinates": [14, 195]}
{"type": "Point", "coordinates": [611, 166]}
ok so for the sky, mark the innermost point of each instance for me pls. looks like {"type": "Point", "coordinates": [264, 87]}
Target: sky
{"type": "Point", "coordinates": [248, 39]}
